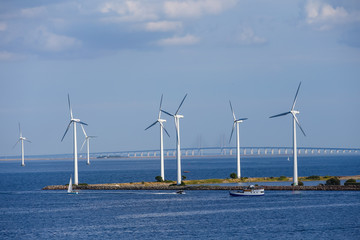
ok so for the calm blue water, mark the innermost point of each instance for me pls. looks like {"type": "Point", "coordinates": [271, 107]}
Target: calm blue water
{"type": "Point", "coordinates": [27, 212]}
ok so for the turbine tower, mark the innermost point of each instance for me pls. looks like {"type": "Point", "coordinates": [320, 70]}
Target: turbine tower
{"type": "Point", "coordinates": [177, 117]}
{"type": "Point", "coordinates": [236, 122]}
{"type": "Point", "coordinates": [295, 121]}
{"type": "Point", "coordinates": [87, 141]}
{"type": "Point", "coordinates": [160, 121]}
{"type": "Point", "coordinates": [22, 139]}
{"type": "Point", "coordinates": [74, 121]}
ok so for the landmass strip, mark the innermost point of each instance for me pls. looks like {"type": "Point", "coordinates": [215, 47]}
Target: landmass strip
{"type": "Point", "coordinates": [210, 184]}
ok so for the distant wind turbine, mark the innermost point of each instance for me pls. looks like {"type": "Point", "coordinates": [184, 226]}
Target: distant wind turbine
{"type": "Point", "coordinates": [295, 121]}
{"type": "Point", "coordinates": [74, 121]}
{"type": "Point", "coordinates": [236, 122]}
{"type": "Point", "coordinates": [177, 117]}
{"type": "Point", "coordinates": [87, 141]}
{"type": "Point", "coordinates": [160, 121]}
{"type": "Point", "coordinates": [22, 139]}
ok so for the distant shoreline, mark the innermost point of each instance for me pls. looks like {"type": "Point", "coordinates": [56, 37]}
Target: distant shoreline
{"type": "Point", "coordinates": [207, 184]}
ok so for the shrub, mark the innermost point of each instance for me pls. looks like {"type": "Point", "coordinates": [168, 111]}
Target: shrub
{"type": "Point", "coordinates": [351, 182]}
{"type": "Point", "coordinates": [282, 178]}
{"type": "Point", "coordinates": [159, 179]}
{"type": "Point", "coordinates": [142, 182]}
{"type": "Point", "coordinates": [183, 177]}
{"type": "Point", "coordinates": [333, 181]}
{"type": "Point", "coordinates": [233, 175]}
{"type": "Point", "coordinates": [313, 177]}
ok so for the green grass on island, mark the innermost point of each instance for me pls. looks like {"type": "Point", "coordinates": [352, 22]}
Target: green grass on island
{"type": "Point", "coordinates": [237, 180]}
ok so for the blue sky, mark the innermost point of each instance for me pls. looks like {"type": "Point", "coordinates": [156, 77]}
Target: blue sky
{"type": "Point", "coordinates": [116, 58]}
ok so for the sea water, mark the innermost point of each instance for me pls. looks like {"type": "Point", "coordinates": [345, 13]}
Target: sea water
{"type": "Point", "coordinates": [27, 212]}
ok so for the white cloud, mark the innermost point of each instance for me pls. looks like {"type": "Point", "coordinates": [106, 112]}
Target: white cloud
{"type": "Point", "coordinates": [325, 16]}
{"type": "Point", "coordinates": [129, 11]}
{"type": "Point", "coordinates": [163, 26]}
{"type": "Point", "coordinates": [186, 40]}
{"type": "Point", "coordinates": [32, 12]}
{"type": "Point", "coordinates": [196, 8]}
{"type": "Point", "coordinates": [3, 26]}
{"type": "Point", "coordinates": [52, 42]}
{"type": "Point", "coordinates": [8, 56]}
{"type": "Point", "coordinates": [247, 36]}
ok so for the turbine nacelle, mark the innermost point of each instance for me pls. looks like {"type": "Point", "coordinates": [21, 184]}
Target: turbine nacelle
{"type": "Point", "coordinates": [294, 112]}
{"type": "Point", "coordinates": [161, 120]}
{"type": "Point", "coordinates": [178, 116]}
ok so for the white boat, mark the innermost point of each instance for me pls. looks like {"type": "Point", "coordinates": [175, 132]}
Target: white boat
{"type": "Point", "coordinates": [70, 190]}
{"type": "Point", "coordinates": [249, 191]}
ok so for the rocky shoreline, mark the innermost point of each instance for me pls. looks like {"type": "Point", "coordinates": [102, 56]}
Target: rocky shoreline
{"type": "Point", "coordinates": [156, 186]}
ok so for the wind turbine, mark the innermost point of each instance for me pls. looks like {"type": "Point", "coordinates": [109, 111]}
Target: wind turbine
{"type": "Point", "coordinates": [177, 117]}
{"type": "Point", "coordinates": [87, 141]}
{"type": "Point", "coordinates": [295, 121]}
{"type": "Point", "coordinates": [22, 139]}
{"type": "Point", "coordinates": [160, 121]}
{"type": "Point", "coordinates": [236, 122]}
{"type": "Point", "coordinates": [74, 121]}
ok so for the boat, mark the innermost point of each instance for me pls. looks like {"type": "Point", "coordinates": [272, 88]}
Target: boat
{"type": "Point", "coordinates": [70, 190]}
{"type": "Point", "coordinates": [180, 192]}
{"type": "Point", "coordinates": [249, 191]}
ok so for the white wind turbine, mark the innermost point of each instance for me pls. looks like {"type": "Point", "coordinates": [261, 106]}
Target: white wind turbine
{"type": "Point", "coordinates": [177, 117]}
{"type": "Point", "coordinates": [22, 139]}
{"type": "Point", "coordinates": [236, 122]}
{"type": "Point", "coordinates": [74, 121]}
{"type": "Point", "coordinates": [87, 141]}
{"type": "Point", "coordinates": [161, 121]}
{"type": "Point", "coordinates": [295, 121]}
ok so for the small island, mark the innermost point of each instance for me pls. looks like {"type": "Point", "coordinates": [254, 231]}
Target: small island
{"type": "Point", "coordinates": [216, 184]}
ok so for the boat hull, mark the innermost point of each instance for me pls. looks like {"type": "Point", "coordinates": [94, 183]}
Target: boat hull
{"type": "Point", "coordinates": [259, 192]}
{"type": "Point", "coordinates": [72, 192]}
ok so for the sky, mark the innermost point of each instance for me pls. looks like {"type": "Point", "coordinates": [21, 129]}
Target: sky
{"type": "Point", "coordinates": [116, 59]}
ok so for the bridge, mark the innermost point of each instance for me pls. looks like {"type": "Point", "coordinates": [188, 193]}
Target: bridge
{"type": "Point", "coordinates": [229, 151]}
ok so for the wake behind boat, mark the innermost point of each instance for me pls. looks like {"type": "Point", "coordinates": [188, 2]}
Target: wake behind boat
{"type": "Point", "coordinates": [249, 191]}
{"type": "Point", "coordinates": [70, 190]}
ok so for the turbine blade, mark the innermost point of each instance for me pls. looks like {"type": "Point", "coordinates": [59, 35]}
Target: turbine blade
{"type": "Point", "coordinates": [92, 136]}
{"type": "Point", "coordinates": [28, 141]}
{"type": "Point", "coordinates": [83, 130]}
{"type": "Point", "coordinates": [293, 106]}
{"type": "Point", "coordinates": [16, 143]}
{"type": "Point", "coordinates": [232, 110]}
{"type": "Point", "coordinates": [67, 129]}
{"type": "Point", "coordinates": [20, 130]}
{"type": "Point", "coordinates": [282, 114]}
{"type": "Point", "coordinates": [164, 129]}
{"type": "Point", "coordinates": [83, 144]}
{"type": "Point", "coordinates": [241, 119]}
{"type": "Point", "coordinates": [83, 123]}
{"type": "Point", "coordinates": [71, 115]}
{"type": "Point", "coordinates": [151, 125]}
{"type": "Point", "coordinates": [160, 106]}
{"type": "Point", "coordinates": [232, 131]}
{"type": "Point", "coordinates": [180, 104]}
{"type": "Point", "coordinates": [167, 113]}
{"type": "Point", "coordinates": [297, 122]}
